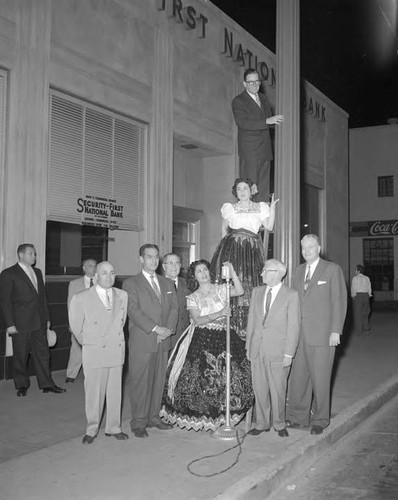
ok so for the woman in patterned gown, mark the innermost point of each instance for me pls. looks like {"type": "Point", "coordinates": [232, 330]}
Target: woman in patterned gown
{"type": "Point", "coordinates": [242, 245]}
{"type": "Point", "coordinates": [194, 395]}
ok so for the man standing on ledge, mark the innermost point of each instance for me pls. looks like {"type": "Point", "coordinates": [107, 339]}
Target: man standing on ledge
{"type": "Point", "coordinates": [23, 305]}
{"type": "Point", "coordinates": [323, 300]}
{"type": "Point", "coordinates": [153, 315]}
{"type": "Point", "coordinates": [75, 286]}
{"type": "Point", "coordinates": [252, 113]}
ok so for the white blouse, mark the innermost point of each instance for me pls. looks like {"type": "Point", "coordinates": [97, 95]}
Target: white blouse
{"type": "Point", "coordinates": [251, 220]}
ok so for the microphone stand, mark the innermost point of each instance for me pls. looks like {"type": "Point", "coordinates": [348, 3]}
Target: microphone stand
{"type": "Point", "coordinates": [227, 432]}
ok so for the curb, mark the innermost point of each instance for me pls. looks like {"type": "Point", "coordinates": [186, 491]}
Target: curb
{"type": "Point", "coordinates": [262, 482]}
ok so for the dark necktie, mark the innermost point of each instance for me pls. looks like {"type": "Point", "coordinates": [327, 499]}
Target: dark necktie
{"type": "Point", "coordinates": [267, 304]}
{"type": "Point", "coordinates": [307, 279]}
{"type": "Point", "coordinates": [91, 282]}
{"type": "Point", "coordinates": [155, 287]}
{"type": "Point", "coordinates": [175, 284]}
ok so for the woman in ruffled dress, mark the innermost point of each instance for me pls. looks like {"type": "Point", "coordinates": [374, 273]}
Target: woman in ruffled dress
{"type": "Point", "coordinates": [194, 396]}
{"type": "Point", "coordinates": [242, 245]}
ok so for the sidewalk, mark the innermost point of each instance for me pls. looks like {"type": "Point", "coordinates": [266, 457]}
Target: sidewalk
{"type": "Point", "coordinates": [41, 455]}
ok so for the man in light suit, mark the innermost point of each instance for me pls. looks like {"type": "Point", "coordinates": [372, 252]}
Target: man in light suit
{"type": "Point", "coordinates": [24, 308]}
{"type": "Point", "coordinates": [172, 268]}
{"type": "Point", "coordinates": [75, 286]}
{"type": "Point", "coordinates": [253, 116]}
{"type": "Point", "coordinates": [271, 342]}
{"type": "Point", "coordinates": [153, 315]}
{"type": "Point", "coordinates": [323, 300]}
{"type": "Point", "coordinates": [97, 317]}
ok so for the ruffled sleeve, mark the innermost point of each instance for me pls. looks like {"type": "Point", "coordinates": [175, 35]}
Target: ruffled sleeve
{"type": "Point", "coordinates": [264, 211]}
{"type": "Point", "coordinates": [227, 211]}
{"type": "Point", "coordinates": [192, 302]}
{"type": "Point", "coordinates": [222, 293]}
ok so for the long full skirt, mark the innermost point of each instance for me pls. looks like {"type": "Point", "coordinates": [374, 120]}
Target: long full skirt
{"type": "Point", "coordinates": [245, 251]}
{"type": "Point", "coordinates": [198, 399]}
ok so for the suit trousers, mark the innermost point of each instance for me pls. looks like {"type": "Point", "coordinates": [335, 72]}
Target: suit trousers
{"type": "Point", "coordinates": [36, 345]}
{"type": "Point", "coordinates": [147, 379]}
{"type": "Point", "coordinates": [360, 312]}
{"type": "Point", "coordinates": [310, 382]}
{"type": "Point", "coordinates": [259, 172]}
{"type": "Point", "coordinates": [102, 384]}
{"type": "Point", "coordinates": [269, 384]}
{"type": "Point", "coordinates": [75, 358]}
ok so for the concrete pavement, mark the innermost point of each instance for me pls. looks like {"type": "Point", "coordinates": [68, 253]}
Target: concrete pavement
{"type": "Point", "coordinates": [41, 455]}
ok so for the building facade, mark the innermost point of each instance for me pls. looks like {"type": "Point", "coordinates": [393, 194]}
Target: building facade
{"type": "Point", "coordinates": [117, 129]}
{"type": "Point", "coordinates": [374, 207]}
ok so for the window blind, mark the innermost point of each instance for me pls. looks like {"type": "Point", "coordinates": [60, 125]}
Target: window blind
{"type": "Point", "coordinates": [96, 166]}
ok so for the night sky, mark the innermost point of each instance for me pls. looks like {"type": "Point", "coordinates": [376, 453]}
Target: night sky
{"type": "Point", "coordinates": [349, 50]}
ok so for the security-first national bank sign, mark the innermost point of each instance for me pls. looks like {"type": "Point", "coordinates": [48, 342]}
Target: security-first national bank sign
{"type": "Point", "coordinates": [100, 212]}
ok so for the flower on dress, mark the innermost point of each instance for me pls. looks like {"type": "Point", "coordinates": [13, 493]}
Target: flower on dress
{"type": "Point", "coordinates": [253, 189]}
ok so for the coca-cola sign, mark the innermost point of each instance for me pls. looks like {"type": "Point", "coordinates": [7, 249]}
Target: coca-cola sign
{"type": "Point", "coordinates": [383, 228]}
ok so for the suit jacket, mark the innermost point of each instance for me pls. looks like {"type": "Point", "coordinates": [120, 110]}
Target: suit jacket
{"type": "Point", "coordinates": [253, 132]}
{"type": "Point", "coordinates": [324, 304]}
{"type": "Point", "coordinates": [280, 333]}
{"type": "Point", "coordinates": [99, 331]}
{"type": "Point", "coordinates": [75, 286]}
{"type": "Point", "coordinates": [21, 305]}
{"type": "Point", "coordinates": [145, 312]}
{"type": "Point", "coordinates": [183, 315]}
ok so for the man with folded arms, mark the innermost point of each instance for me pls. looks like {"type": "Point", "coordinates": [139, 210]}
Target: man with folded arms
{"type": "Point", "coordinates": [96, 317]}
{"type": "Point", "coordinates": [323, 303]}
{"type": "Point", "coordinates": [271, 342]}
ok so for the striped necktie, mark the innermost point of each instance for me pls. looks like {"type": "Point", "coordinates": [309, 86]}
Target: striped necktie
{"type": "Point", "coordinates": [155, 287]}
{"type": "Point", "coordinates": [307, 278]}
{"type": "Point", "coordinates": [267, 304]}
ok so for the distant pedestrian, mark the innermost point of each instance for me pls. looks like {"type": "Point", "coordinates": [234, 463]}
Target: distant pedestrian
{"type": "Point", "coordinates": [361, 291]}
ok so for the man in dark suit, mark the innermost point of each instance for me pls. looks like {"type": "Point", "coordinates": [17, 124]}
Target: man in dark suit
{"type": "Point", "coordinates": [323, 300]}
{"type": "Point", "coordinates": [23, 304]}
{"type": "Point", "coordinates": [97, 316]}
{"type": "Point", "coordinates": [172, 268]}
{"type": "Point", "coordinates": [88, 280]}
{"type": "Point", "coordinates": [253, 116]}
{"type": "Point", "coordinates": [271, 342]}
{"type": "Point", "coordinates": [153, 315]}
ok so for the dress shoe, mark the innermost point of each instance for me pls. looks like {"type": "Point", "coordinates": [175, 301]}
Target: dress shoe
{"type": "Point", "coordinates": [283, 433]}
{"type": "Point", "coordinates": [139, 433]}
{"type": "Point", "coordinates": [316, 429]}
{"type": "Point", "coordinates": [293, 425]}
{"type": "Point", "coordinates": [55, 389]}
{"type": "Point", "coordinates": [22, 391]}
{"type": "Point", "coordinates": [162, 426]}
{"type": "Point", "coordinates": [69, 380]}
{"type": "Point", "coordinates": [120, 436]}
{"type": "Point", "coordinates": [256, 432]}
{"type": "Point", "coordinates": [88, 439]}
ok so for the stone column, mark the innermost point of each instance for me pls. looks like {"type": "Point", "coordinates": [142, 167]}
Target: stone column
{"type": "Point", "coordinates": [26, 166]}
{"type": "Point", "coordinates": [287, 164]}
{"type": "Point", "coordinates": [160, 178]}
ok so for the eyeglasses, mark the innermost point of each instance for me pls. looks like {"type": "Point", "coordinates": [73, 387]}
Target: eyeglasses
{"type": "Point", "coordinates": [253, 82]}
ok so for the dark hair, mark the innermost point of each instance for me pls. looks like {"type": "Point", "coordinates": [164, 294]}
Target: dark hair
{"type": "Point", "coordinates": [89, 258]}
{"type": "Point", "coordinates": [147, 245]}
{"type": "Point", "coordinates": [248, 72]}
{"type": "Point", "coordinates": [22, 248]}
{"type": "Point", "coordinates": [192, 282]}
{"type": "Point", "coordinates": [246, 180]}
{"type": "Point", "coordinates": [360, 268]}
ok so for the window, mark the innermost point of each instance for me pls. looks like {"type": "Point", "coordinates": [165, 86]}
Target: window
{"type": "Point", "coordinates": [378, 258]}
{"type": "Point", "coordinates": [68, 245]}
{"type": "Point", "coordinates": [186, 235]}
{"type": "Point", "coordinates": [385, 186]}
{"type": "Point", "coordinates": [96, 166]}
{"type": "Point", "coordinates": [309, 210]}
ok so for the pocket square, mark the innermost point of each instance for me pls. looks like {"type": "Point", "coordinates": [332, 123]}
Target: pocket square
{"type": "Point", "coordinates": [169, 291]}
{"type": "Point", "coordinates": [321, 282]}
